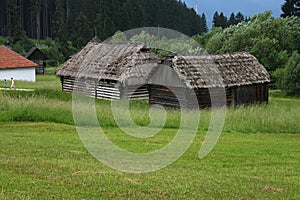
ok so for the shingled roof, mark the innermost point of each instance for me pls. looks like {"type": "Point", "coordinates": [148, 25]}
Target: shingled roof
{"type": "Point", "coordinates": [10, 59]}
{"type": "Point", "coordinates": [118, 62]}
{"type": "Point", "coordinates": [224, 70]}
{"type": "Point", "coordinates": [33, 50]}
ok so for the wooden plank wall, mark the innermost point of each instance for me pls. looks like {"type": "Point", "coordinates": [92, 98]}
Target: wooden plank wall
{"type": "Point", "coordinates": [160, 95]}
{"type": "Point", "coordinates": [83, 86]}
{"type": "Point", "coordinates": [245, 95]}
{"type": "Point", "coordinates": [205, 97]}
{"type": "Point", "coordinates": [135, 93]}
{"type": "Point", "coordinates": [104, 89]}
{"type": "Point", "coordinates": [40, 70]}
{"type": "Point", "coordinates": [67, 84]}
{"type": "Point", "coordinates": [251, 94]}
{"type": "Point", "coordinates": [107, 90]}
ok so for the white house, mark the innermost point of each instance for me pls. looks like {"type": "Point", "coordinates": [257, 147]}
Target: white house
{"type": "Point", "coordinates": [13, 65]}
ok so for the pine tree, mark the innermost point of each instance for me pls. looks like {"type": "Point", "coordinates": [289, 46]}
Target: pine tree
{"type": "Point", "coordinates": [81, 35]}
{"type": "Point", "coordinates": [291, 8]}
{"type": "Point", "coordinates": [14, 24]}
{"type": "Point", "coordinates": [222, 20]}
{"type": "Point", "coordinates": [216, 19]}
{"type": "Point", "coordinates": [203, 27]}
{"type": "Point", "coordinates": [104, 24]}
{"type": "Point", "coordinates": [239, 17]}
{"type": "Point", "coordinates": [58, 23]}
{"type": "Point", "coordinates": [232, 20]}
{"type": "Point", "coordinates": [134, 16]}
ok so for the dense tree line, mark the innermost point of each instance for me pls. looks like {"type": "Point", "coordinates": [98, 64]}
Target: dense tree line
{"type": "Point", "coordinates": [220, 20]}
{"type": "Point", "coordinates": [78, 21]}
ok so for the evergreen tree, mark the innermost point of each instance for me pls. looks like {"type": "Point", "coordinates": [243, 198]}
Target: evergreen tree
{"type": "Point", "coordinates": [216, 19]}
{"type": "Point", "coordinates": [134, 16]}
{"type": "Point", "coordinates": [203, 26]}
{"type": "Point", "coordinates": [239, 18]}
{"type": "Point", "coordinates": [65, 20]}
{"type": "Point", "coordinates": [58, 23]}
{"type": "Point", "coordinates": [82, 33]}
{"type": "Point", "coordinates": [232, 20]}
{"type": "Point", "coordinates": [222, 21]}
{"type": "Point", "coordinates": [291, 8]}
{"type": "Point", "coordinates": [105, 26]}
{"type": "Point", "coordinates": [14, 26]}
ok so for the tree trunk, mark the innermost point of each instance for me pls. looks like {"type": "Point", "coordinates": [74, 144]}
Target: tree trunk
{"type": "Point", "coordinates": [38, 24]}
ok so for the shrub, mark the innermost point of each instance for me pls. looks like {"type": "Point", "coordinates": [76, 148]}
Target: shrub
{"type": "Point", "coordinates": [291, 81]}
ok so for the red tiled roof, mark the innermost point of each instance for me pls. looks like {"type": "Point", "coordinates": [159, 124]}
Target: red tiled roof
{"type": "Point", "coordinates": [11, 59]}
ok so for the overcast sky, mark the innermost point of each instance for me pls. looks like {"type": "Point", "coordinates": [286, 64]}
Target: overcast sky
{"type": "Point", "coordinates": [247, 7]}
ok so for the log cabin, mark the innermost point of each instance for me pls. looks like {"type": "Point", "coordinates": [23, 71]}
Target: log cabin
{"type": "Point", "coordinates": [228, 79]}
{"type": "Point", "coordinates": [109, 71]}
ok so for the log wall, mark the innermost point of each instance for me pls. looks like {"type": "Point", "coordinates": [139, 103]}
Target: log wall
{"type": "Point", "coordinates": [103, 89]}
{"type": "Point", "coordinates": [107, 90]}
{"type": "Point", "coordinates": [252, 94]}
{"type": "Point", "coordinates": [135, 92]}
{"type": "Point", "coordinates": [244, 95]}
{"type": "Point", "coordinates": [160, 95]}
{"type": "Point", "coordinates": [83, 86]}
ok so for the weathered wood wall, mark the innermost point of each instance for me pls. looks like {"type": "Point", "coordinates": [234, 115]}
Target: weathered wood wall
{"type": "Point", "coordinates": [107, 90]}
{"type": "Point", "coordinates": [38, 58]}
{"type": "Point", "coordinates": [40, 70]}
{"type": "Point", "coordinates": [160, 95]}
{"type": "Point", "coordinates": [135, 92]}
{"type": "Point", "coordinates": [244, 95]}
{"type": "Point", "coordinates": [103, 89]}
{"type": "Point", "coordinates": [252, 94]}
{"type": "Point", "coordinates": [83, 86]}
{"type": "Point", "coordinates": [190, 99]}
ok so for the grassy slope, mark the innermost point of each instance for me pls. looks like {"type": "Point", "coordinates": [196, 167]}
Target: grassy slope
{"type": "Point", "coordinates": [46, 160]}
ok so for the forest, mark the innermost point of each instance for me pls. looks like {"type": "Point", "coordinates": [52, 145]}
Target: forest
{"type": "Point", "coordinates": [71, 19]}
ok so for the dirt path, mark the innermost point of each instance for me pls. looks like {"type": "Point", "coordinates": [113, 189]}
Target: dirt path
{"type": "Point", "coordinates": [17, 89]}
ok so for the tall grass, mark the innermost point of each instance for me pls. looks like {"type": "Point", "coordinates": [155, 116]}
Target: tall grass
{"type": "Point", "coordinates": [279, 116]}
{"type": "Point", "coordinates": [48, 104]}
{"type": "Point", "coordinates": [34, 109]}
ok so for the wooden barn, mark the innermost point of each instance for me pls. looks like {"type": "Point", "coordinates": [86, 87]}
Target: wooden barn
{"type": "Point", "coordinates": [38, 57]}
{"type": "Point", "coordinates": [109, 71]}
{"type": "Point", "coordinates": [244, 79]}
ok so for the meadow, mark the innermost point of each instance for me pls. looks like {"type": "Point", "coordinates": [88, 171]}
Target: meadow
{"type": "Point", "coordinates": [42, 156]}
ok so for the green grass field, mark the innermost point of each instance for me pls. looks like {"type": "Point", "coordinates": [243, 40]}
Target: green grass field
{"type": "Point", "coordinates": [42, 157]}
{"type": "Point", "coordinates": [48, 160]}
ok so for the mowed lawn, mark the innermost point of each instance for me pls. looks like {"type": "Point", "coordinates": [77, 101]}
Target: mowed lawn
{"type": "Point", "coordinates": [42, 157]}
{"type": "Point", "coordinates": [48, 161]}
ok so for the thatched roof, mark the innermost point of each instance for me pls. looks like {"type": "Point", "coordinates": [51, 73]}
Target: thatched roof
{"type": "Point", "coordinates": [71, 66]}
{"type": "Point", "coordinates": [224, 70]}
{"type": "Point", "coordinates": [130, 63]}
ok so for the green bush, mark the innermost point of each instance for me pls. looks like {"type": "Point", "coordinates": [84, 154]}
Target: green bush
{"type": "Point", "coordinates": [2, 41]}
{"type": "Point", "coordinates": [291, 83]}
{"type": "Point", "coordinates": [278, 77]}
